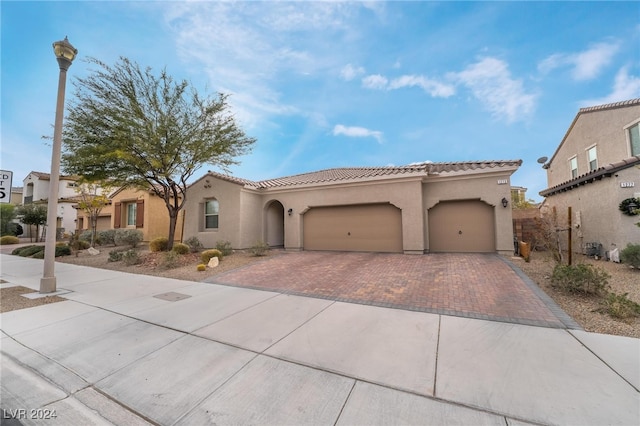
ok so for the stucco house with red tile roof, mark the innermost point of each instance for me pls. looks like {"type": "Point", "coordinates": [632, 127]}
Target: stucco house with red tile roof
{"type": "Point", "coordinates": [595, 167]}
{"type": "Point", "coordinates": [413, 209]}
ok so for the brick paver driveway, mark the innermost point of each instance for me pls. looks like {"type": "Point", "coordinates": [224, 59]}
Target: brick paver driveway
{"type": "Point", "coordinates": [484, 286]}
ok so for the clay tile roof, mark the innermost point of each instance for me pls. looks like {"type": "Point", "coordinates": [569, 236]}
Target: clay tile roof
{"type": "Point", "coordinates": [611, 106]}
{"type": "Point", "coordinates": [470, 165]}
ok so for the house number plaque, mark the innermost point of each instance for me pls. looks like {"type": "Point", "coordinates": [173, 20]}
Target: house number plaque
{"type": "Point", "coordinates": [627, 184]}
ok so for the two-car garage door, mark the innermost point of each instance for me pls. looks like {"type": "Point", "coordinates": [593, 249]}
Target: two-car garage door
{"type": "Point", "coordinates": [370, 227]}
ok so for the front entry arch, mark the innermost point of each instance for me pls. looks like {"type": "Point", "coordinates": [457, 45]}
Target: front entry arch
{"type": "Point", "coordinates": [274, 224]}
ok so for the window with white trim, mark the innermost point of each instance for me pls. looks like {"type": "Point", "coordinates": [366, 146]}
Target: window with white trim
{"type": "Point", "coordinates": [592, 158]}
{"type": "Point", "coordinates": [634, 139]}
{"type": "Point", "coordinates": [211, 214]}
{"type": "Point", "coordinates": [573, 164]}
{"type": "Point", "coordinates": [131, 213]}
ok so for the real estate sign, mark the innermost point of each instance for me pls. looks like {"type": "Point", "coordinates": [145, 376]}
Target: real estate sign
{"type": "Point", "coordinates": [5, 186]}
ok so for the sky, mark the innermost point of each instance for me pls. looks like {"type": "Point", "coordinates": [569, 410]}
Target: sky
{"type": "Point", "coordinates": [332, 84]}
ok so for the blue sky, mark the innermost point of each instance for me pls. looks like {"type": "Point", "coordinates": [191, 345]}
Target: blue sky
{"type": "Point", "coordinates": [331, 84]}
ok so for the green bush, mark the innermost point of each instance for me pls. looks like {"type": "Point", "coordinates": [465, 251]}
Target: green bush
{"type": "Point", "coordinates": [224, 247]}
{"type": "Point", "coordinates": [170, 260]}
{"type": "Point", "coordinates": [620, 306]}
{"type": "Point", "coordinates": [180, 248]}
{"type": "Point", "coordinates": [16, 251]}
{"type": "Point", "coordinates": [159, 244]}
{"type": "Point", "coordinates": [107, 236]}
{"type": "Point", "coordinates": [115, 256]}
{"type": "Point", "coordinates": [194, 244]}
{"type": "Point", "coordinates": [86, 236]}
{"type": "Point", "coordinates": [581, 278]}
{"type": "Point", "coordinates": [631, 255]}
{"type": "Point", "coordinates": [30, 251]}
{"type": "Point", "coordinates": [38, 255]}
{"type": "Point", "coordinates": [9, 239]}
{"type": "Point", "coordinates": [131, 257]}
{"type": "Point", "coordinates": [208, 254]}
{"type": "Point", "coordinates": [259, 249]}
{"type": "Point", "coordinates": [128, 237]}
{"type": "Point", "coordinates": [64, 250]}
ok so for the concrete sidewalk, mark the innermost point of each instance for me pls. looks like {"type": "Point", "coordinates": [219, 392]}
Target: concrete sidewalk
{"type": "Point", "coordinates": [132, 349]}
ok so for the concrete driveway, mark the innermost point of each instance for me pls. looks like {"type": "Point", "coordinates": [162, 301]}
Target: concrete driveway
{"type": "Point", "coordinates": [483, 286]}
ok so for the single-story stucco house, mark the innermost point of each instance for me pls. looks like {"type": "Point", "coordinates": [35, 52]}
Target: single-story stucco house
{"type": "Point", "coordinates": [414, 209]}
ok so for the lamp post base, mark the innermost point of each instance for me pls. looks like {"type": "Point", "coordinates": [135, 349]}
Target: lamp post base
{"type": "Point", "coordinates": [47, 285]}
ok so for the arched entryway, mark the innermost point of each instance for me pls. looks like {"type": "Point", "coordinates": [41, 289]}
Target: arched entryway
{"type": "Point", "coordinates": [274, 224]}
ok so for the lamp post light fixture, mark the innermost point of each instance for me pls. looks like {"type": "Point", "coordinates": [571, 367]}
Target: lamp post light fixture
{"type": "Point", "coordinates": [505, 202]}
{"type": "Point", "coordinates": [65, 54]}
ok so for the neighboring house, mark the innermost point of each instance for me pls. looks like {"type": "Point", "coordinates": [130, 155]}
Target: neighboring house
{"type": "Point", "coordinates": [518, 194]}
{"type": "Point", "coordinates": [36, 190]}
{"type": "Point", "coordinates": [595, 167]}
{"type": "Point", "coordinates": [143, 210]}
{"type": "Point", "coordinates": [104, 218]}
{"type": "Point", "coordinates": [16, 195]}
{"type": "Point", "coordinates": [426, 207]}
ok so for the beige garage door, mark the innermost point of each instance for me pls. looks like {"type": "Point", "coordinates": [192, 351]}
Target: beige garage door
{"type": "Point", "coordinates": [373, 227]}
{"type": "Point", "coordinates": [462, 227]}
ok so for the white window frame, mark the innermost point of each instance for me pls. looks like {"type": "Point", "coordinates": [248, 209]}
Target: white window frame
{"type": "Point", "coordinates": [592, 150]}
{"type": "Point", "coordinates": [131, 210]}
{"type": "Point", "coordinates": [206, 214]}
{"type": "Point", "coordinates": [573, 161]}
{"type": "Point", "coordinates": [627, 133]}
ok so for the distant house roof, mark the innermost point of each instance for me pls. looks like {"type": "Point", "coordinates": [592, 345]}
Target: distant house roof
{"type": "Point", "coordinates": [47, 176]}
{"type": "Point", "coordinates": [340, 175]}
{"type": "Point", "coordinates": [598, 174]}
{"type": "Point", "coordinates": [581, 111]}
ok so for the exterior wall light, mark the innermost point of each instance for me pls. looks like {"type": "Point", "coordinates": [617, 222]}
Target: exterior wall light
{"type": "Point", "coordinates": [290, 211]}
{"type": "Point", "coordinates": [505, 202]}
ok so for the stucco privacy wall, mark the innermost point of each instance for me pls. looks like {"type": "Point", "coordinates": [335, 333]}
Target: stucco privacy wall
{"type": "Point", "coordinates": [489, 189]}
{"type": "Point", "coordinates": [590, 225]}
{"type": "Point", "coordinates": [600, 127]}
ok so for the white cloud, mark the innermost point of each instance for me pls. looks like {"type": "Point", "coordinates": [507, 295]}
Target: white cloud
{"type": "Point", "coordinates": [375, 81]}
{"type": "Point", "coordinates": [625, 87]}
{"type": "Point", "coordinates": [349, 72]}
{"type": "Point", "coordinates": [585, 65]}
{"type": "Point", "coordinates": [357, 132]}
{"type": "Point", "coordinates": [491, 83]}
{"type": "Point", "coordinates": [432, 87]}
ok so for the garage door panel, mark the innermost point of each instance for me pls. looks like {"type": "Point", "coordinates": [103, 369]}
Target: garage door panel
{"type": "Point", "coordinates": [462, 226]}
{"type": "Point", "coordinates": [354, 228]}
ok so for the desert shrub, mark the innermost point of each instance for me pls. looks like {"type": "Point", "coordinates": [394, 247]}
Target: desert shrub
{"type": "Point", "coordinates": [83, 245]}
{"type": "Point", "coordinates": [170, 260]}
{"type": "Point", "coordinates": [30, 251]}
{"type": "Point", "coordinates": [630, 255]}
{"type": "Point", "coordinates": [85, 235]}
{"type": "Point", "coordinates": [208, 254]}
{"type": "Point", "coordinates": [115, 256]}
{"type": "Point", "coordinates": [128, 237]}
{"type": "Point", "coordinates": [9, 239]}
{"type": "Point", "coordinates": [201, 267]}
{"type": "Point", "coordinates": [16, 251]}
{"type": "Point", "coordinates": [38, 255]}
{"type": "Point", "coordinates": [159, 244]}
{"type": "Point", "coordinates": [180, 248]}
{"type": "Point", "coordinates": [259, 248]}
{"type": "Point", "coordinates": [620, 306]}
{"type": "Point", "coordinates": [194, 244]}
{"type": "Point", "coordinates": [131, 257]}
{"type": "Point", "coordinates": [581, 278]}
{"type": "Point", "coordinates": [224, 247]}
{"type": "Point", "coordinates": [107, 236]}
{"type": "Point", "coordinates": [64, 250]}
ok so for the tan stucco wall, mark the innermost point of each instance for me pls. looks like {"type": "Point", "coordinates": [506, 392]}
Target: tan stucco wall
{"type": "Point", "coordinates": [485, 189]}
{"type": "Point", "coordinates": [156, 215]}
{"type": "Point", "coordinates": [605, 129]}
{"type": "Point", "coordinates": [599, 218]}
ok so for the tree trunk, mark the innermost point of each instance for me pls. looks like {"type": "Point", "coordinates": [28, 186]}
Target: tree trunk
{"type": "Point", "coordinates": [173, 216]}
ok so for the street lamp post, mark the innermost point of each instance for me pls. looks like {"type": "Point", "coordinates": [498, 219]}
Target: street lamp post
{"type": "Point", "coordinates": [65, 53]}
